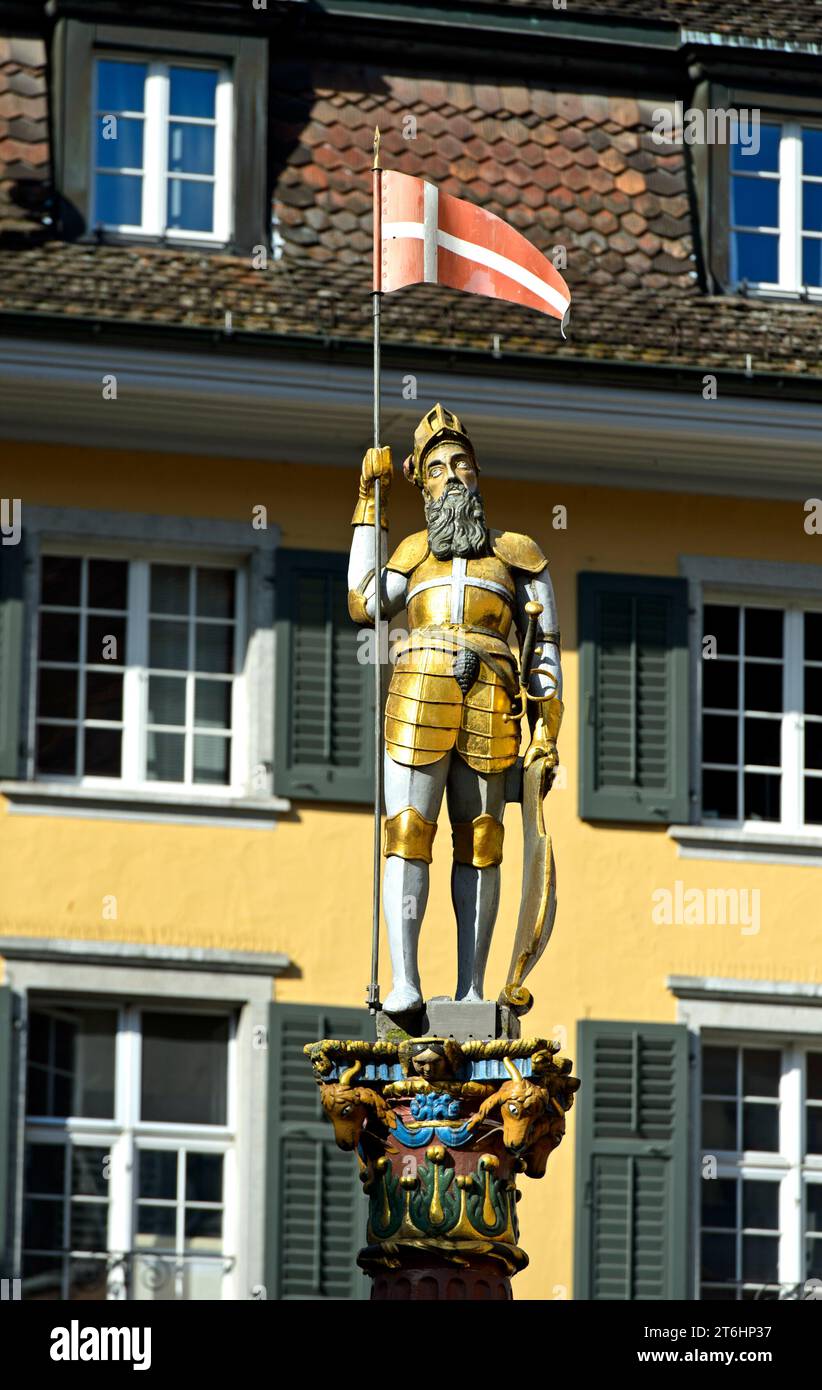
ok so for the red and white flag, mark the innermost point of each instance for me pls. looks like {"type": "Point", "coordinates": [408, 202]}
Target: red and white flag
{"type": "Point", "coordinates": [423, 235]}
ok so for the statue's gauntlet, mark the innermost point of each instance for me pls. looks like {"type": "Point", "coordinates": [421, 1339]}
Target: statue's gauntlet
{"type": "Point", "coordinates": [545, 732]}
{"type": "Point", "coordinates": [376, 464]}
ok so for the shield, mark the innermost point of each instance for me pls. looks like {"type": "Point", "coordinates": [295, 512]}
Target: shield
{"type": "Point", "coordinates": [538, 902]}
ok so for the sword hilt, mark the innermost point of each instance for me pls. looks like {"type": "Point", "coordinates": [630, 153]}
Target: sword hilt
{"type": "Point", "coordinates": [526, 656]}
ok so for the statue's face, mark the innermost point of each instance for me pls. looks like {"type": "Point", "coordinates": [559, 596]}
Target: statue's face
{"type": "Point", "coordinates": [445, 462]}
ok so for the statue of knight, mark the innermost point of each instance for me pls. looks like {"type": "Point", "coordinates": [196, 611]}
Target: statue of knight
{"type": "Point", "coordinates": [455, 699]}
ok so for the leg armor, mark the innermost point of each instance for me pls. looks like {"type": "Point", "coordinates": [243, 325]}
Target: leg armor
{"type": "Point", "coordinates": [478, 842]}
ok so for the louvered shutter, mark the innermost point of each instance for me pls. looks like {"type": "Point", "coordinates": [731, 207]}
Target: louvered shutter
{"type": "Point", "coordinates": [316, 1209]}
{"type": "Point", "coordinates": [632, 1162]}
{"type": "Point", "coordinates": [324, 716]}
{"type": "Point", "coordinates": [634, 698]}
{"type": "Point", "coordinates": [7, 1130]}
{"type": "Point", "coordinates": [11, 656]}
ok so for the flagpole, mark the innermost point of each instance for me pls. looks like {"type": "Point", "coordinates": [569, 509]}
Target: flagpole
{"type": "Point", "coordinates": [373, 1000]}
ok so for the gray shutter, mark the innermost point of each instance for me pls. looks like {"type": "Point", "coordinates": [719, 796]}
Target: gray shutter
{"type": "Point", "coordinates": [632, 1161]}
{"type": "Point", "coordinates": [317, 1212]}
{"type": "Point", "coordinates": [324, 715]}
{"type": "Point", "coordinates": [7, 1130]}
{"type": "Point", "coordinates": [11, 656]}
{"type": "Point", "coordinates": [634, 698]}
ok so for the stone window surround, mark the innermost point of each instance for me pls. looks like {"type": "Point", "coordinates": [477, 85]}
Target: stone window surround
{"type": "Point", "coordinates": [145, 534]}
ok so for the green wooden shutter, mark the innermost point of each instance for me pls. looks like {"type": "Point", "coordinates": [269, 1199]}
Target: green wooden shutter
{"type": "Point", "coordinates": [6, 1130]}
{"type": "Point", "coordinates": [634, 698]}
{"type": "Point", "coordinates": [632, 1161]}
{"type": "Point", "coordinates": [11, 656]}
{"type": "Point", "coordinates": [324, 716]}
{"type": "Point", "coordinates": [317, 1212]}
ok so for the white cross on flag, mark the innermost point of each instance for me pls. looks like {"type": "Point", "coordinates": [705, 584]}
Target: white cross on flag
{"type": "Point", "coordinates": [424, 235]}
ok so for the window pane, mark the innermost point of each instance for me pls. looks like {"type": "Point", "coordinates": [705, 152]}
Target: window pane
{"type": "Point", "coordinates": [57, 749]}
{"type": "Point", "coordinates": [763, 687]}
{"type": "Point", "coordinates": [77, 1047]}
{"type": "Point", "coordinates": [760, 1127]}
{"type": "Point", "coordinates": [88, 1168]}
{"type": "Point", "coordinates": [119, 201]}
{"type": "Point", "coordinates": [212, 704]}
{"type": "Point", "coordinates": [43, 1225]}
{"type": "Point", "coordinates": [104, 695]}
{"type": "Point", "coordinates": [190, 205]}
{"type": "Point", "coordinates": [811, 260]}
{"type": "Point", "coordinates": [120, 86]}
{"type": "Point", "coordinates": [760, 1259]}
{"type": "Point", "coordinates": [719, 795]}
{"type": "Point", "coordinates": [88, 1279]}
{"type": "Point", "coordinates": [813, 1205]}
{"type": "Point", "coordinates": [814, 1256]}
{"type": "Point", "coordinates": [719, 1202]}
{"type": "Point", "coordinates": [214, 647]}
{"type": "Point", "coordinates": [59, 637]}
{"type": "Point", "coordinates": [755, 257]}
{"type": "Point", "coordinates": [719, 738]}
{"type": "Point", "coordinates": [718, 1257]}
{"type": "Point", "coordinates": [811, 151]}
{"type": "Point", "coordinates": [813, 745]}
{"type": "Point", "coordinates": [167, 700]}
{"type": "Point", "coordinates": [192, 92]}
{"type": "Point", "coordinates": [722, 622]}
{"type": "Point", "coordinates": [760, 1205]}
{"type": "Point", "coordinates": [211, 759]}
{"type": "Point", "coordinates": [165, 760]}
{"type": "Point", "coordinates": [814, 1128]}
{"type": "Point", "coordinates": [158, 1173]}
{"type": "Point", "coordinates": [763, 796]}
{"type": "Point", "coordinates": [813, 800]}
{"type": "Point", "coordinates": [813, 690]}
{"type": "Point", "coordinates": [157, 1222]}
{"type": "Point", "coordinates": [108, 584]}
{"type": "Point", "coordinates": [755, 202]}
{"type": "Point", "coordinates": [119, 142]}
{"type": "Point", "coordinates": [719, 1124]}
{"type": "Point", "coordinates": [170, 588]}
{"type": "Point", "coordinates": [763, 742]}
{"type": "Point", "coordinates": [103, 753]}
{"type": "Point", "coordinates": [215, 593]}
{"type": "Point", "coordinates": [813, 636]}
{"type": "Point", "coordinates": [105, 639]}
{"type": "Point", "coordinates": [203, 1228]}
{"type": "Point", "coordinates": [57, 693]}
{"type": "Point", "coordinates": [168, 644]}
{"type": "Point", "coordinates": [45, 1170]}
{"type": "Point", "coordinates": [720, 684]}
{"type": "Point", "coordinates": [191, 148]}
{"type": "Point", "coordinates": [766, 157]}
{"type": "Point", "coordinates": [813, 1081]}
{"type": "Point", "coordinates": [763, 632]}
{"type": "Point", "coordinates": [760, 1072]}
{"type": "Point", "coordinates": [185, 1061]}
{"type": "Point", "coordinates": [204, 1177]}
{"type": "Point", "coordinates": [812, 207]}
{"type": "Point", "coordinates": [719, 1071]}
{"type": "Point", "coordinates": [60, 581]}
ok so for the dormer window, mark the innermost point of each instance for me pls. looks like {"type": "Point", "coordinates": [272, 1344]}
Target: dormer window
{"type": "Point", "coordinates": [161, 148]}
{"type": "Point", "coordinates": [775, 221]}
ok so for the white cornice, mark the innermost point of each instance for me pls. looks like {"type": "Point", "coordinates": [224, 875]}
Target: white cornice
{"type": "Point", "coordinates": [243, 407]}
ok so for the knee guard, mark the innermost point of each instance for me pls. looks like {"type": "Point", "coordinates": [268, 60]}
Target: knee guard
{"type": "Point", "coordinates": [478, 842]}
{"type": "Point", "coordinates": [409, 835]}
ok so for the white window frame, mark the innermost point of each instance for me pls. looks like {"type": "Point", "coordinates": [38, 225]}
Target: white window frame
{"type": "Point", "coordinates": [135, 676]}
{"type": "Point", "coordinates": [154, 172]}
{"type": "Point", "coordinates": [124, 1134]}
{"type": "Point", "coordinates": [790, 180]}
{"type": "Point", "coordinates": [790, 1166]}
{"type": "Point", "coordinates": [792, 720]}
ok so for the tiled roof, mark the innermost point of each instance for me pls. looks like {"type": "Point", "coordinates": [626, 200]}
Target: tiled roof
{"type": "Point", "coordinates": [24, 150]}
{"type": "Point", "coordinates": [774, 21]}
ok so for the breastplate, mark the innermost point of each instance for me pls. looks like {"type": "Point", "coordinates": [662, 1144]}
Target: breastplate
{"type": "Point", "coordinates": [467, 593]}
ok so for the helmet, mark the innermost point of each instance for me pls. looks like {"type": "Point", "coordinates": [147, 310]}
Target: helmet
{"type": "Point", "coordinates": [435, 426]}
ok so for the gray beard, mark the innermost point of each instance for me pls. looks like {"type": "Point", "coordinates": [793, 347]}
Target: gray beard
{"type": "Point", "coordinates": [456, 524]}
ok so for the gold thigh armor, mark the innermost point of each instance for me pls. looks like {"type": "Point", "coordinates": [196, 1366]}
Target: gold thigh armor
{"type": "Point", "coordinates": [426, 713]}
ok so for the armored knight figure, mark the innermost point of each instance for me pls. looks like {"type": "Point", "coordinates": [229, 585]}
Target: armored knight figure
{"type": "Point", "coordinates": [456, 696]}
